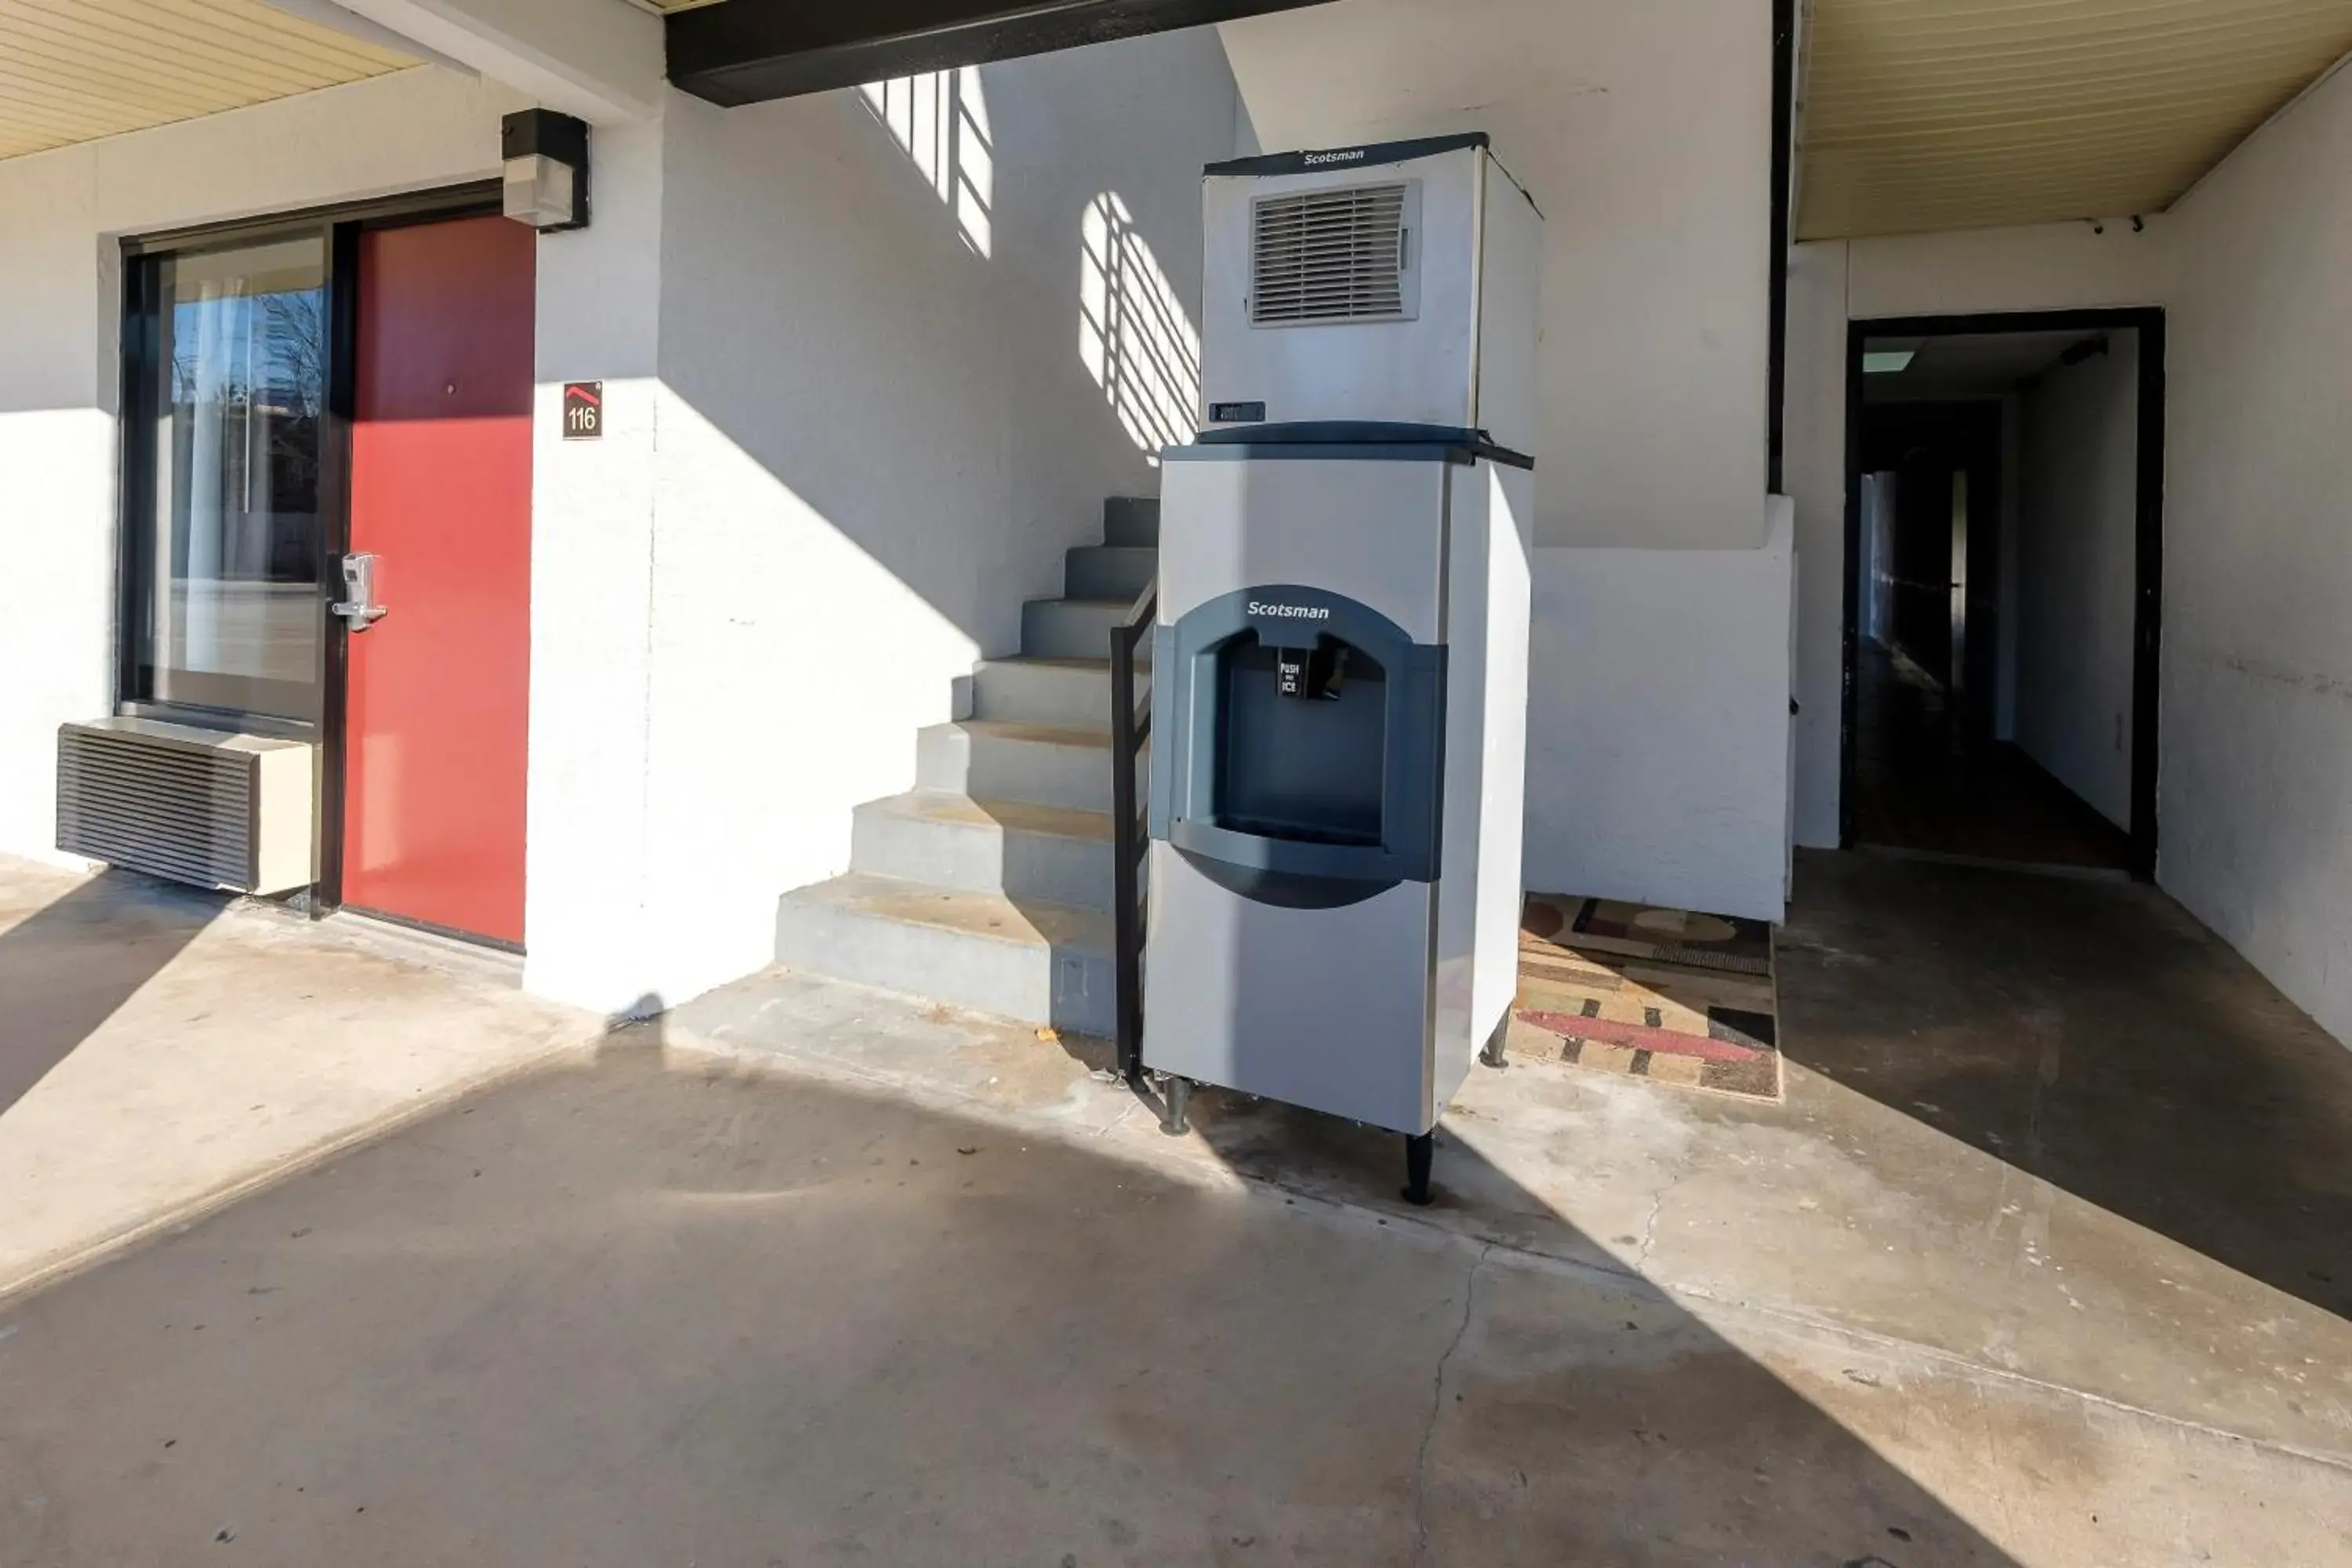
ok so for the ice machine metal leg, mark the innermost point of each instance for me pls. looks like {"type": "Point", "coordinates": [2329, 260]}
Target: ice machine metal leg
{"type": "Point", "coordinates": [1492, 1055]}
{"type": "Point", "coordinates": [1176, 1095]}
{"type": "Point", "coordinates": [1418, 1154]}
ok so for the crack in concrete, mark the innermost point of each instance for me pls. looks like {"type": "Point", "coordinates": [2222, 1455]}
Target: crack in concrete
{"type": "Point", "coordinates": [1897, 1349]}
{"type": "Point", "coordinates": [1437, 1406]}
{"type": "Point", "coordinates": [1650, 1225]}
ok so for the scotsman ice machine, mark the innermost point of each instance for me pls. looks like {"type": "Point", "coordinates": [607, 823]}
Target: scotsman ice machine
{"type": "Point", "coordinates": [1340, 659]}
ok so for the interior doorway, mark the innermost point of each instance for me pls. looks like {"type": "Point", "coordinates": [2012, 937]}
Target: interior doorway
{"type": "Point", "coordinates": [2004, 527]}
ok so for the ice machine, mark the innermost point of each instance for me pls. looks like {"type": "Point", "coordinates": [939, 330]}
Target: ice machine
{"type": "Point", "coordinates": [1340, 656]}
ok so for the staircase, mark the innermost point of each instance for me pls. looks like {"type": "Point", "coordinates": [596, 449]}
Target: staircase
{"type": "Point", "coordinates": [989, 885]}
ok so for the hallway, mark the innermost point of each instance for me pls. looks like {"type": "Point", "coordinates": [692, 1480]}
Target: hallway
{"type": "Point", "coordinates": [1924, 785]}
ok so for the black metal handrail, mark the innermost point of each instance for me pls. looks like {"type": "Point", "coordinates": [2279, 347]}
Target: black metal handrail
{"type": "Point", "coordinates": [1131, 731]}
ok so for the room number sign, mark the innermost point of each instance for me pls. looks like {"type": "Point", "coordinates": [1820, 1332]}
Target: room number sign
{"type": "Point", "coordinates": [584, 410]}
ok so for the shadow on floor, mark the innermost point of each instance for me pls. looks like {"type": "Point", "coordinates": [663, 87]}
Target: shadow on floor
{"type": "Point", "coordinates": [70, 966]}
{"type": "Point", "coordinates": [1923, 783]}
{"type": "Point", "coordinates": [633, 1311]}
{"type": "Point", "coordinates": [2092, 1035]}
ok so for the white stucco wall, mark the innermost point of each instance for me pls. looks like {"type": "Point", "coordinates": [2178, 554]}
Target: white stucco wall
{"type": "Point", "coordinates": [2256, 793]}
{"type": "Point", "coordinates": [588, 919]}
{"type": "Point", "coordinates": [2075, 574]}
{"type": "Point", "coordinates": [57, 481]}
{"type": "Point", "coordinates": [1677, 739]}
{"type": "Point", "coordinates": [1643, 133]}
{"type": "Point", "coordinates": [877, 435]}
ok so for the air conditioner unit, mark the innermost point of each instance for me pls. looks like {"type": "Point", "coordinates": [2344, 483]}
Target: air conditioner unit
{"type": "Point", "coordinates": [208, 808]}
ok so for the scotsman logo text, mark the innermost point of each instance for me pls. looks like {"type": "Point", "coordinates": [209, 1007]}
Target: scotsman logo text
{"type": "Point", "coordinates": [1291, 612]}
{"type": "Point", "coordinates": [1313, 159]}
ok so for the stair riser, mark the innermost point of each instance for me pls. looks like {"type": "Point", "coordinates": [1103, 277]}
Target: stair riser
{"type": "Point", "coordinates": [1069, 989]}
{"type": "Point", "coordinates": [1072, 628]}
{"type": "Point", "coordinates": [970, 859]}
{"type": "Point", "coordinates": [1131, 522]}
{"type": "Point", "coordinates": [988, 767]}
{"type": "Point", "coordinates": [1099, 572]}
{"type": "Point", "coordinates": [1047, 694]}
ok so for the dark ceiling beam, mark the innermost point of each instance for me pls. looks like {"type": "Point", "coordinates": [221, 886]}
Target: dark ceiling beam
{"type": "Point", "coordinates": [746, 51]}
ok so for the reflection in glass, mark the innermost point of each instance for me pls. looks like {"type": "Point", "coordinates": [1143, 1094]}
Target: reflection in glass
{"type": "Point", "coordinates": [232, 610]}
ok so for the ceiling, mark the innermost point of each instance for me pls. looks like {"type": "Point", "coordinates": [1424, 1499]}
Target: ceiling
{"type": "Point", "coordinates": [1916, 115]}
{"type": "Point", "coordinates": [73, 71]}
{"type": "Point", "coordinates": [1957, 369]}
{"type": "Point", "coordinates": [1921, 115]}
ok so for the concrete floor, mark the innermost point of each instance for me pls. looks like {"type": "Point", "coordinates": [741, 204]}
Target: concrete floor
{"type": "Point", "coordinates": [1924, 785]}
{"type": "Point", "coordinates": [163, 1050]}
{"type": "Point", "coordinates": [812, 1275]}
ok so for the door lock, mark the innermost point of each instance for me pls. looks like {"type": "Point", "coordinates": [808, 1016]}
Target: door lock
{"type": "Point", "coordinates": [358, 606]}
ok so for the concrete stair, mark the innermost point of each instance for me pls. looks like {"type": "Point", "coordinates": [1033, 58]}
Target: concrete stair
{"type": "Point", "coordinates": [999, 760]}
{"type": "Point", "coordinates": [989, 885]}
{"type": "Point", "coordinates": [1036, 854]}
{"type": "Point", "coordinates": [1073, 628]}
{"type": "Point", "coordinates": [1062, 693]}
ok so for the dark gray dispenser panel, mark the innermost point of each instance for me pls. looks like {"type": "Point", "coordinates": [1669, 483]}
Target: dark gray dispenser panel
{"type": "Point", "coordinates": [1303, 748]}
{"type": "Point", "coordinates": [1301, 754]}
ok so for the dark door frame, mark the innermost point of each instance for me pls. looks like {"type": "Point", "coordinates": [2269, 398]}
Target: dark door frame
{"type": "Point", "coordinates": [2148, 617]}
{"type": "Point", "coordinates": [340, 223]}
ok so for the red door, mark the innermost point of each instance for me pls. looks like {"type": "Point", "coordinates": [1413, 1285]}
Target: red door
{"type": "Point", "coordinates": [440, 496]}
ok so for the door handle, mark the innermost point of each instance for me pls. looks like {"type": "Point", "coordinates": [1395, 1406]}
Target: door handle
{"type": "Point", "coordinates": [358, 606]}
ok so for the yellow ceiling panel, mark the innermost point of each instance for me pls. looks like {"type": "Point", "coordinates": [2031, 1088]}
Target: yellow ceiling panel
{"type": "Point", "coordinates": [72, 71]}
{"type": "Point", "coordinates": [1921, 115]}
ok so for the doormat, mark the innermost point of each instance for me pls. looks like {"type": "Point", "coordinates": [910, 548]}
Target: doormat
{"type": "Point", "coordinates": [1679, 998]}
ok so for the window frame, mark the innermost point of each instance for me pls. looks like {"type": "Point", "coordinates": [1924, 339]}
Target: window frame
{"type": "Point", "coordinates": [138, 504]}
{"type": "Point", "coordinates": [338, 227]}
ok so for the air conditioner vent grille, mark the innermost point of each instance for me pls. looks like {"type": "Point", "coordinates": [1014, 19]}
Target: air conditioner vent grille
{"type": "Point", "coordinates": [215, 810]}
{"type": "Point", "coordinates": [184, 814]}
{"type": "Point", "coordinates": [1329, 255]}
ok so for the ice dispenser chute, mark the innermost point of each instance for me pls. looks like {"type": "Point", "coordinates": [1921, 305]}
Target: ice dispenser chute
{"type": "Point", "coordinates": [1305, 761]}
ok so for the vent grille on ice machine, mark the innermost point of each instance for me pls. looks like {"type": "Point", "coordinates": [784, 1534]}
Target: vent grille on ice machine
{"type": "Point", "coordinates": [1329, 255]}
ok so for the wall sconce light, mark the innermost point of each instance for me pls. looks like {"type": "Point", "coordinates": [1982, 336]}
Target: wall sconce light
{"type": "Point", "coordinates": [546, 182]}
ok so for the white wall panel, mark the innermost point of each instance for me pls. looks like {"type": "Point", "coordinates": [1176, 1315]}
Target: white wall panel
{"type": "Point", "coordinates": [2077, 573]}
{"type": "Point", "coordinates": [2257, 783]}
{"type": "Point", "coordinates": [1658, 731]}
{"type": "Point", "coordinates": [1643, 133]}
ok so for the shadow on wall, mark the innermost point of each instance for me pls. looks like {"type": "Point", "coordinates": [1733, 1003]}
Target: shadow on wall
{"type": "Point", "coordinates": [68, 966]}
{"type": "Point", "coordinates": [841, 1325]}
{"type": "Point", "coordinates": [940, 121]}
{"type": "Point", "coordinates": [905, 375]}
{"type": "Point", "coordinates": [1134, 336]}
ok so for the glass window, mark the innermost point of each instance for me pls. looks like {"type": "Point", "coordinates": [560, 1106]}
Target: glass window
{"type": "Point", "coordinates": [225, 540]}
